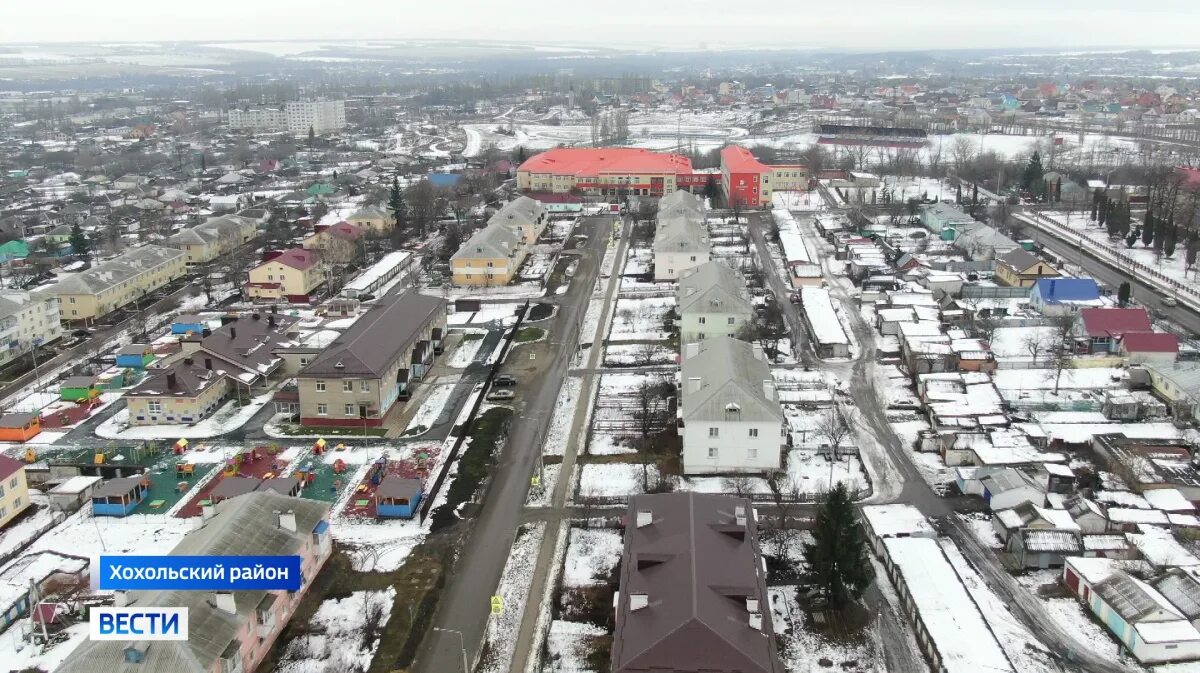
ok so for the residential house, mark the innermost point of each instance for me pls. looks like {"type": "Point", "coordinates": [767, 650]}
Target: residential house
{"type": "Point", "coordinates": [213, 238]}
{"type": "Point", "coordinates": [712, 301]}
{"type": "Point", "coordinates": [524, 215]}
{"type": "Point", "coordinates": [1027, 515]}
{"type": "Point", "coordinates": [374, 219]}
{"type": "Point", "coordinates": [27, 320]}
{"type": "Point", "coordinates": [14, 489]}
{"type": "Point", "coordinates": [358, 378]}
{"type": "Point", "coordinates": [940, 216]}
{"type": "Point", "coordinates": [1178, 384]}
{"type": "Point", "coordinates": [86, 296]}
{"type": "Point", "coordinates": [1021, 268]}
{"type": "Point", "coordinates": [229, 631]}
{"type": "Point", "coordinates": [339, 243]}
{"type": "Point", "coordinates": [692, 592]}
{"type": "Point", "coordinates": [730, 410]}
{"type": "Point", "coordinates": [982, 242]}
{"type": "Point", "coordinates": [292, 275]}
{"type": "Point", "coordinates": [1139, 348]}
{"type": "Point", "coordinates": [1100, 329]}
{"type": "Point", "coordinates": [680, 237]}
{"type": "Point", "coordinates": [489, 258]}
{"type": "Point", "coordinates": [1146, 624]}
{"type": "Point", "coordinates": [1062, 296]}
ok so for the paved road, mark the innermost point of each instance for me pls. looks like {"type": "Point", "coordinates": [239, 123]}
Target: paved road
{"type": "Point", "coordinates": [783, 290]}
{"type": "Point", "coordinates": [464, 602]}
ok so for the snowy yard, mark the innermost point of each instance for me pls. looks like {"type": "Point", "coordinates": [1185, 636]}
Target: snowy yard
{"type": "Point", "coordinates": [613, 480]}
{"type": "Point", "coordinates": [638, 355]}
{"type": "Point", "coordinates": [591, 554]}
{"type": "Point", "coordinates": [643, 319]}
{"type": "Point", "coordinates": [468, 349]}
{"type": "Point", "coordinates": [227, 418]}
{"type": "Point", "coordinates": [557, 434]}
{"type": "Point", "coordinates": [334, 639]}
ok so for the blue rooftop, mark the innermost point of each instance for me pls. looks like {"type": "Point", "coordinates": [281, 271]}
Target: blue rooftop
{"type": "Point", "coordinates": [444, 179]}
{"type": "Point", "coordinates": [1067, 289]}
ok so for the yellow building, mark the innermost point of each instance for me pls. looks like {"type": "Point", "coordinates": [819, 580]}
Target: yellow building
{"type": "Point", "coordinates": [374, 219]}
{"type": "Point", "coordinates": [1021, 268]}
{"type": "Point", "coordinates": [182, 393]}
{"type": "Point", "coordinates": [14, 491]}
{"type": "Point", "coordinates": [490, 257]}
{"type": "Point", "coordinates": [91, 294]}
{"type": "Point", "coordinates": [292, 275]}
{"type": "Point", "coordinates": [218, 236]}
{"type": "Point", "coordinates": [337, 244]}
{"type": "Point", "coordinates": [525, 215]}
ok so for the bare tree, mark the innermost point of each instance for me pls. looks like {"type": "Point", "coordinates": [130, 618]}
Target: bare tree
{"type": "Point", "coordinates": [1035, 343]}
{"type": "Point", "coordinates": [651, 415]}
{"type": "Point", "coordinates": [963, 153]}
{"type": "Point", "coordinates": [834, 429]}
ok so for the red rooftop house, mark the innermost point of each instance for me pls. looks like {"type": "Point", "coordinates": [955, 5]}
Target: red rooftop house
{"type": "Point", "coordinates": [291, 275]}
{"type": "Point", "coordinates": [749, 183]}
{"type": "Point", "coordinates": [1099, 329]}
{"type": "Point", "coordinates": [1144, 347]}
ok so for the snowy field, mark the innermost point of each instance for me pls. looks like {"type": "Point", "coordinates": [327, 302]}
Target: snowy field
{"type": "Point", "coordinates": [591, 554]}
{"type": "Point", "coordinates": [638, 355]}
{"type": "Point", "coordinates": [564, 414]}
{"type": "Point", "coordinates": [334, 637]}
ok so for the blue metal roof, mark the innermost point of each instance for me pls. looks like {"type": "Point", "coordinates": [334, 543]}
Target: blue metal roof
{"type": "Point", "coordinates": [444, 179]}
{"type": "Point", "coordinates": [1067, 289]}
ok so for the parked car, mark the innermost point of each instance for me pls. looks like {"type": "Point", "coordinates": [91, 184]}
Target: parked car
{"type": "Point", "coordinates": [795, 298]}
{"type": "Point", "coordinates": [500, 395]}
{"type": "Point", "coordinates": [504, 380]}
{"type": "Point", "coordinates": [82, 333]}
{"type": "Point", "coordinates": [1169, 300]}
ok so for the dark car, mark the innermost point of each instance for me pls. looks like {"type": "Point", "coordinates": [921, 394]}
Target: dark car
{"type": "Point", "coordinates": [504, 380]}
{"type": "Point", "coordinates": [82, 333]}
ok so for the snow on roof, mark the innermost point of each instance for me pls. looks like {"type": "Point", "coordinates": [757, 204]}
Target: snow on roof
{"type": "Point", "coordinates": [1093, 570]}
{"type": "Point", "coordinates": [897, 520]}
{"type": "Point", "coordinates": [821, 316]}
{"type": "Point", "coordinates": [1122, 499]}
{"type": "Point", "coordinates": [1105, 542]}
{"type": "Point", "coordinates": [1160, 547]}
{"type": "Point", "coordinates": [1050, 540]}
{"type": "Point", "coordinates": [962, 637]}
{"type": "Point", "coordinates": [77, 484]}
{"type": "Point", "coordinates": [1167, 632]}
{"type": "Point", "coordinates": [1168, 500]}
{"type": "Point", "coordinates": [1139, 516]}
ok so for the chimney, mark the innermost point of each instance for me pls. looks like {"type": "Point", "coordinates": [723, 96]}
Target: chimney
{"type": "Point", "coordinates": [694, 384]}
{"type": "Point", "coordinates": [758, 352]}
{"type": "Point", "coordinates": [208, 364]}
{"type": "Point", "coordinates": [752, 605]}
{"type": "Point", "coordinates": [638, 601]}
{"type": "Point", "coordinates": [644, 518]}
{"type": "Point", "coordinates": [207, 511]}
{"type": "Point", "coordinates": [171, 380]}
{"type": "Point", "coordinates": [691, 350]}
{"type": "Point", "coordinates": [769, 389]}
{"type": "Point", "coordinates": [756, 621]}
{"type": "Point", "coordinates": [287, 520]}
{"type": "Point", "coordinates": [232, 333]}
{"type": "Point", "coordinates": [739, 514]}
{"type": "Point", "coordinates": [224, 601]}
{"type": "Point", "coordinates": [188, 361]}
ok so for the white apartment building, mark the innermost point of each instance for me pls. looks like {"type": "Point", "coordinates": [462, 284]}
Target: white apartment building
{"type": "Point", "coordinates": [297, 117]}
{"type": "Point", "coordinates": [26, 319]}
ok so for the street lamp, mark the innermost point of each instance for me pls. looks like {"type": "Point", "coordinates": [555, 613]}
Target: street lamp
{"type": "Point", "coordinates": [461, 643]}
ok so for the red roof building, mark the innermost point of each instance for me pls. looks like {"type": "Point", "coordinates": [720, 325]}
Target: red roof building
{"type": "Point", "coordinates": [1150, 342]}
{"type": "Point", "coordinates": [748, 182]}
{"type": "Point", "coordinates": [296, 258]}
{"type": "Point", "coordinates": [603, 171]}
{"type": "Point", "coordinates": [1114, 322]}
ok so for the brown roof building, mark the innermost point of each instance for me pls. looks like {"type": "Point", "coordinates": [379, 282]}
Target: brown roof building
{"type": "Point", "coordinates": [693, 593]}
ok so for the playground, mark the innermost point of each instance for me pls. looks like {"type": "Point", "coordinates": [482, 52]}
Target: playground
{"type": "Point", "coordinates": [327, 470]}
{"type": "Point", "coordinates": [412, 461]}
{"type": "Point", "coordinates": [260, 462]}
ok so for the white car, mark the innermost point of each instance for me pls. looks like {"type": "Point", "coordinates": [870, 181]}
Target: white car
{"type": "Point", "coordinates": [1170, 301]}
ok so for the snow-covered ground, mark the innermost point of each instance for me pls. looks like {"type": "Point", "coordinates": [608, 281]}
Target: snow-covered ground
{"type": "Point", "coordinates": [642, 319]}
{"type": "Point", "coordinates": [333, 639]}
{"type": "Point", "coordinates": [431, 408]}
{"type": "Point", "coordinates": [227, 418]}
{"type": "Point", "coordinates": [564, 413]}
{"type": "Point", "coordinates": [635, 355]}
{"type": "Point", "coordinates": [467, 349]}
{"type": "Point", "coordinates": [567, 647]}
{"type": "Point", "coordinates": [613, 479]}
{"type": "Point", "coordinates": [502, 628]}
{"type": "Point", "coordinates": [591, 554]}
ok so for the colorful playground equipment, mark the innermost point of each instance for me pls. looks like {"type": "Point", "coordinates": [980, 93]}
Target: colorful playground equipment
{"type": "Point", "coordinates": [185, 470]}
{"type": "Point", "coordinates": [378, 470]}
{"type": "Point", "coordinates": [180, 447]}
{"type": "Point", "coordinates": [31, 456]}
{"type": "Point", "coordinates": [319, 447]}
{"type": "Point", "coordinates": [339, 466]}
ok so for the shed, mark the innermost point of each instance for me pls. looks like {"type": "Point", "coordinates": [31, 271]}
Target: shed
{"type": "Point", "coordinates": [135, 356]}
{"type": "Point", "coordinates": [19, 427]}
{"type": "Point", "coordinates": [281, 485]}
{"type": "Point", "coordinates": [79, 389]}
{"type": "Point", "coordinates": [119, 497]}
{"type": "Point", "coordinates": [70, 494]}
{"type": "Point", "coordinates": [398, 497]}
{"type": "Point", "coordinates": [232, 487]}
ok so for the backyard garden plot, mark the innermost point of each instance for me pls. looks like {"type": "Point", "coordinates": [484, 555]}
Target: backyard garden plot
{"type": "Point", "coordinates": [639, 355]}
{"type": "Point", "coordinates": [614, 480]}
{"type": "Point", "coordinates": [537, 264]}
{"type": "Point", "coordinates": [336, 636]}
{"type": "Point", "coordinates": [613, 418]}
{"type": "Point", "coordinates": [644, 319]}
{"type": "Point", "coordinates": [592, 553]}
{"type": "Point", "coordinates": [569, 647]}
{"type": "Point", "coordinates": [804, 650]}
{"type": "Point", "coordinates": [635, 286]}
{"type": "Point", "coordinates": [638, 261]}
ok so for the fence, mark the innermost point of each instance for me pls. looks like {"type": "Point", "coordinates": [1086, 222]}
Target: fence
{"type": "Point", "coordinates": [815, 498]}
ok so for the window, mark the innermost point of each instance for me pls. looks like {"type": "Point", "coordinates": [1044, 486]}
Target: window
{"type": "Point", "coordinates": [753, 432]}
{"type": "Point", "coordinates": [701, 320]}
{"type": "Point", "coordinates": [155, 407]}
{"type": "Point", "coordinates": [303, 362]}
{"type": "Point", "coordinates": [322, 409]}
{"type": "Point", "coordinates": [712, 452]}
{"type": "Point", "coordinates": [320, 386]}
{"type": "Point", "coordinates": [713, 433]}
{"type": "Point", "coordinates": [71, 300]}
{"type": "Point", "coordinates": [730, 320]}
{"type": "Point", "coordinates": [350, 410]}
{"type": "Point", "coordinates": [16, 503]}
{"type": "Point", "coordinates": [365, 387]}
{"type": "Point", "coordinates": [347, 386]}
{"type": "Point", "coordinates": [693, 258]}
{"type": "Point", "coordinates": [752, 454]}
{"type": "Point", "coordinates": [12, 483]}
{"type": "Point", "coordinates": [699, 336]}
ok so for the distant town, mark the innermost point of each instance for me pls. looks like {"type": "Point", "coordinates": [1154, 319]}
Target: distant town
{"type": "Point", "coordinates": [589, 362]}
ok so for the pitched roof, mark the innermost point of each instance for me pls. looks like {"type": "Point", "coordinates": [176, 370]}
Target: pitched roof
{"type": "Point", "coordinates": [297, 258]}
{"type": "Point", "coordinates": [1054, 290]}
{"type": "Point", "coordinates": [493, 241]}
{"type": "Point", "coordinates": [738, 159]}
{"type": "Point", "coordinates": [520, 211]}
{"type": "Point", "coordinates": [700, 571]}
{"type": "Point", "coordinates": [369, 212]}
{"type": "Point", "coordinates": [249, 342]}
{"type": "Point", "coordinates": [680, 230]}
{"type": "Point", "coordinates": [243, 526]}
{"type": "Point", "coordinates": [712, 287]}
{"type": "Point", "coordinates": [591, 162]}
{"type": "Point", "coordinates": [115, 271]}
{"type": "Point", "coordinates": [1111, 322]}
{"type": "Point", "coordinates": [725, 378]}
{"type": "Point", "coordinates": [1020, 259]}
{"type": "Point", "coordinates": [1150, 342]}
{"type": "Point", "coordinates": [9, 467]}
{"type": "Point", "coordinates": [189, 380]}
{"type": "Point", "coordinates": [378, 337]}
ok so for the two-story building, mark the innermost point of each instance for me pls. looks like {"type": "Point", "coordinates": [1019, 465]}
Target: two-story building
{"type": "Point", "coordinates": [712, 301]}
{"type": "Point", "coordinates": [27, 320]}
{"type": "Point", "coordinates": [680, 238]}
{"type": "Point", "coordinates": [361, 375]}
{"type": "Point", "coordinates": [526, 216]}
{"type": "Point", "coordinates": [214, 237]}
{"type": "Point", "coordinates": [339, 243]}
{"type": "Point", "coordinates": [491, 257]}
{"type": "Point", "coordinates": [85, 296]}
{"type": "Point", "coordinates": [229, 631]}
{"type": "Point", "coordinates": [374, 219]}
{"type": "Point", "coordinates": [730, 410]}
{"type": "Point", "coordinates": [291, 275]}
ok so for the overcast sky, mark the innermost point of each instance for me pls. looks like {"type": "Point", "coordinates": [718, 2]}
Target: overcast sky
{"type": "Point", "coordinates": [856, 25]}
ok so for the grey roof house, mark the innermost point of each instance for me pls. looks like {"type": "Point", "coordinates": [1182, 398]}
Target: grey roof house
{"type": "Point", "coordinates": [712, 300]}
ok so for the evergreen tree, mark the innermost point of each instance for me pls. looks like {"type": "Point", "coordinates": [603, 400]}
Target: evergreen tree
{"type": "Point", "coordinates": [79, 242]}
{"type": "Point", "coordinates": [1031, 179]}
{"type": "Point", "coordinates": [1058, 190]}
{"type": "Point", "coordinates": [1095, 210]}
{"type": "Point", "coordinates": [1131, 238]}
{"type": "Point", "coordinates": [312, 135]}
{"type": "Point", "coordinates": [1192, 247]}
{"type": "Point", "coordinates": [397, 205]}
{"type": "Point", "coordinates": [1169, 238]}
{"type": "Point", "coordinates": [1105, 207]}
{"type": "Point", "coordinates": [1124, 293]}
{"type": "Point", "coordinates": [1148, 229]}
{"type": "Point", "coordinates": [958, 194]}
{"type": "Point", "coordinates": [203, 163]}
{"type": "Point", "coordinates": [838, 554]}
{"type": "Point", "coordinates": [711, 191]}
{"type": "Point", "coordinates": [520, 154]}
